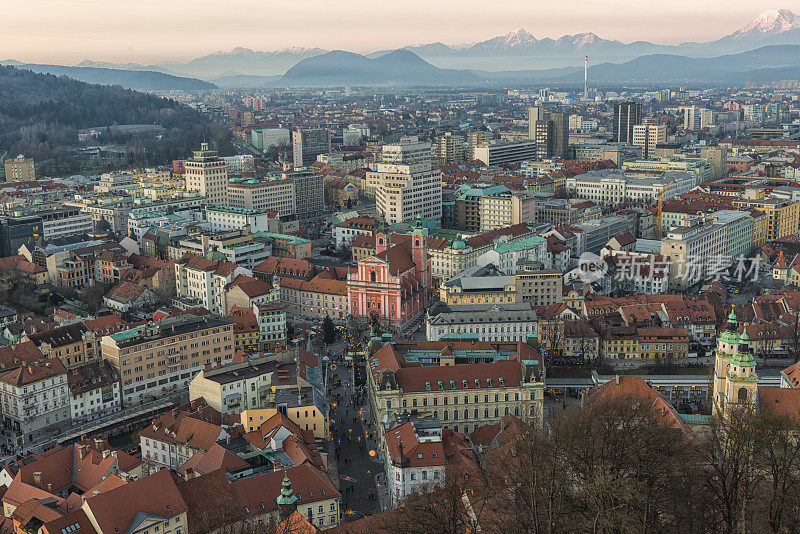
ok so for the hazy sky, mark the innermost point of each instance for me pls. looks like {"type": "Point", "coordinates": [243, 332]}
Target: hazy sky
{"type": "Point", "coordinates": [68, 31]}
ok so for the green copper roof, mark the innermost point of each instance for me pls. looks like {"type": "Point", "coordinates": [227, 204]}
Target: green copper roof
{"type": "Point", "coordinates": [743, 356]}
{"type": "Point", "coordinates": [459, 243]}
{"type": "Point", "coordinates": [287, 496]}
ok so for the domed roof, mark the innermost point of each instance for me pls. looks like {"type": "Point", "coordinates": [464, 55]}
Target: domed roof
{"type": "Point", "coordinates": [215, 255]}
{"type": "Point", "coordinates": [458, 243]}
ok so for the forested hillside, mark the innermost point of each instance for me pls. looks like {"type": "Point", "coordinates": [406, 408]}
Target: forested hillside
{"type": "Point", "coordinates": [41, 113]}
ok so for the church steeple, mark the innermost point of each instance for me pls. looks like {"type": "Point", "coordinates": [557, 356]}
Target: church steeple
{"type": "Point", "coordinates": [381, 236]}
{"type": "Point", "coordinates": [287, 499]}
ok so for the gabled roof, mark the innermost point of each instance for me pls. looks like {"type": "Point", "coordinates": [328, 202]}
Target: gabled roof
{"type": "Point", "coordinates": [155, 495]}
{"type": "Point", "coordinates": [217, 457]}
{"type": "Point", "coordinates": [60, 336]}
{"type": "Point", "coordinates": [627, 389]}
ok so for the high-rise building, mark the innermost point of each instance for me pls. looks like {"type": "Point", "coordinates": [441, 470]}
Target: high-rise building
{"type": "Point", "coordinates": [448, 148]}
{"type": "Point", "coordinates": [308, 144]}
{"type": "Point", "coordinates": [20, 169]}
{"type": "Point", "coordinates": [550, 131]}
{"type": "Point", "coordinates": [206, 174]}
{"type": "Point", "coordinates": [309, 193]}
{"type": "Point", "coordinates": [410, 150]}
{"type": "Point", "coordinates": [473, 140]}
{"type": "Point", "coordinates": [648, 136]}
{"type": "Point", "coordinates": [405, 184]}
{"type": "Point", "coordinates": [626, 116]}
{"type": "Point", "coordinates": [271, 194]}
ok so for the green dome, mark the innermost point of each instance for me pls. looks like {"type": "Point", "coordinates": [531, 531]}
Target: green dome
{"type": "Point", "coordinates": [215, 255]}
{"type": "Point", "coordinates": [458, 243]}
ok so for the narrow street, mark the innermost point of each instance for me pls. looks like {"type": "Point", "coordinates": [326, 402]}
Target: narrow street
{"type": "Point", "coordinates": [357, 469]}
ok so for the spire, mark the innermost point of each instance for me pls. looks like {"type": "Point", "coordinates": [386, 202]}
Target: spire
{"type": "Point", "coordinates": [382, 224]}
{"type": "Point", "coordinates": [744, 356]}
{"type": "Point", "coordinates": [287, 496]}
{"type": "Point", "coordinates": [732, 322]}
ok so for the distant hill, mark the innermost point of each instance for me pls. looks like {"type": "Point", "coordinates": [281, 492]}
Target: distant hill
{"type": "Point", "coordinates": [397, 68]}
{"type": "Point", "coordinates": [139, 80]}
{"type": "Point", "coordinates": [41, 113]}
{"type": "Point", "coordinates": [674, 68]}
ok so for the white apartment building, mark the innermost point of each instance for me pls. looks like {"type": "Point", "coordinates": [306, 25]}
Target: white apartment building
{"type": "Point", "coordinates": [415, 458]}
{"type": "Point", "coordinates": [94, 390]}
{"type": "Point", "coordinates": [117, 181]}
{"type": "Point", "coordinates": [202, 282]}
{"type": "Point", "coordinates": [648, 136]}
{"type": "Point", "coordinates": [638, 272]}
{"type": "Point", "coordinates": [271, 318]}
{"type": "Point", "coordinates": [207, 175]}
{"type": "Point", "coordinates": [230, 218]}
{"type": "Point", "coordinates": [693, 250]}
{"type": "Point", "coordinates": [501, 210]}
{"type": "Point", "coordinates": [35, 402]}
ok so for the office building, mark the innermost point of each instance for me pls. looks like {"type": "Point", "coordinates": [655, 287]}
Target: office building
{"type": "Point", "coordinates": [626, 116]}
{"type": "Point", "coordinates": [410, 150]}
{"type": "Point", "coordinates": [499, 152]}
{"type": "Point", "coordinates": [309, 193]}
{"type": "Point", "coordinates": [20, 169]}
{"type": "Point", "coordinates": [692, 249]}
{"type": "Point", "coordinates": [550, 131]}
{"type": "Point", "coordinates": [467, 208]}
{"type": "Point", "coordinates": [271, 194]}
{"type": "Point", "coordinates": [207, 175]}
{"type": "Point", "coordinates": [18, 231]}
{"type": "Point", "coordinates": [404, 192]}
{"type": "Point", "coordinates": [648, 136]}
{"type": "Point", "coordinates": [307, 145]}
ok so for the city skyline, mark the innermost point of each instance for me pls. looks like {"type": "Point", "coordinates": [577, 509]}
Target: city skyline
{"type": "Point", "coordinates": [182, 30]}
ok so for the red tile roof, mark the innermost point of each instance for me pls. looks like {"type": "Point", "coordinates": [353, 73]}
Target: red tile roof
{"type": "Point", "coordinates": [155, 494]}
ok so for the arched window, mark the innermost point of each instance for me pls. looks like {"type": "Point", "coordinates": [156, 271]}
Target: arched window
{"type": "Point", "coordinates": [476, 413]}
{"type": "Point", "coordinates": [445, 415]}
{"type": "Point", "coordinates": [533, 410]}
{"type": "Point", "coordinates": [380, 241]}
{"type": "Point", "coordinates": [742, 394]}
{"type": "Point", "coordinates": [496, 413]}
{"type": "Point", "coordinates": [372, 276]}
{"type": "Point", "coordinates": [455, 414]}
{"type": "Point", "coordinates": [486, 413]}
{"type": "Point", "coordinates": [416, 242]}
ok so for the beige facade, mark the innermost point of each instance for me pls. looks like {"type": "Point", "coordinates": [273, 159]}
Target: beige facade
{"type": "Point", "coordinates": [540, 288]}
{"type": "Point", "coordinates": [307, 417]}
{"type": "Point", "coordinates": [505, 209]}
{"type": "Point", "coordinates": [207, 175]}
{"type": "Point", "coordinates": [648, 136]}
{"type": "Point", "coordinates": [20, 169]}
{"type": "Point", "coordinates": [272, 194]}
{"type": "Point", "coordinates": [404, 192]}
{"type": "Point", "coordinates": [155, 358]}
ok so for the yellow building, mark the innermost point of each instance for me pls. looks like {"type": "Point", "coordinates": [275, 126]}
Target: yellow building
{"type": "Point", "coordinates": [782, 215]}
{"type": "Point", "coordinates": [307, 417]}
{"type": "Point", "coordinates": [663, 344]}
{"type": "Point", "coordinates": [494, 290]}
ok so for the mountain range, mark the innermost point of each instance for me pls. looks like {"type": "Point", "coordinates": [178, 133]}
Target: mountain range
{"type": "Point", "coordinates": [517, 50]}
{"type": "Point", "coordinates": [760, 50]}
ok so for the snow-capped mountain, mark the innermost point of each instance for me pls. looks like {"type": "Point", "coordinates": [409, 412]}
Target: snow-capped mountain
{"type": "Point", "coordinates": [772, 22]}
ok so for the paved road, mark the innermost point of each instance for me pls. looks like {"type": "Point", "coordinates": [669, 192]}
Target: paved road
{"type": "Point", "coordinates": [357, 471]}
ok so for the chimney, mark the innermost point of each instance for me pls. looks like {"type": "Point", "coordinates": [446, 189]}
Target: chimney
{"type": "Point", "coordinates": [189, 474]}
{"type": "Point", "coordinates": [228, 440]}
{"type": "Point", "coordinates": [617, 379]}
{"type": "Point", "coordinates": [106, 453]}
{"type": "Point", "coordinates": [37, 479]}
{"type": "Point", "coordinates": [49, 487]}
{"type": "Point", "coordinates": [82, 451]}
{"type": "Point", "coordinates": [30, 369]}
{"type": "Point", "coordinates": [114, 454]}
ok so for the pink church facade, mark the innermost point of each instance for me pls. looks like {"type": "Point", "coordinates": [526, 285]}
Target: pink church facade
{"type": "Point", "coordinates": [395, 283]}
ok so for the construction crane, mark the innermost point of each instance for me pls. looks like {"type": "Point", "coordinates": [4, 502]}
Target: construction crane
{"type": "Point", "coordinates": [660, 197]}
